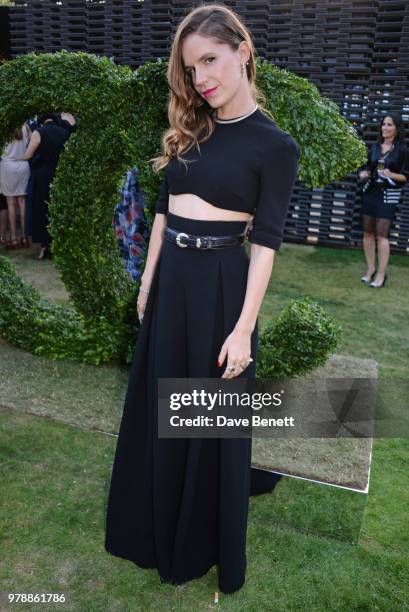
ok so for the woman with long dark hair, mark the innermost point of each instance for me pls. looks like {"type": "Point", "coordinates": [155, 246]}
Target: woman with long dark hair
{"type": "Point", "coordinates": [180, 505]}
{"type": "Point", "coordinates": [386, 171]}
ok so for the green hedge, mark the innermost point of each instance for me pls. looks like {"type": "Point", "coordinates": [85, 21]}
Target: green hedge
{"type": "Point", "coordinates": [39, 326]}
{"type": "Point", "coordinates": [301, 339]}
{"type": "Point", "coordinates": [111, 135]}
{"type": "Point", "coordinates": [122, 114]}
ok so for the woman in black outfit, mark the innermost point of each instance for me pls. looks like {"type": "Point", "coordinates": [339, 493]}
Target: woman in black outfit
{"type": "Point", "coordinates": [386, 171]}
{"type": "Point", "coordinates": [180, 505]}
{"type": "Point", "coordinates": [47, 142]}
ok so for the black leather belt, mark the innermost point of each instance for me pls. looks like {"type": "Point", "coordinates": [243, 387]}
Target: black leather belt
{"type": "Point", "coordinates": [201, 242]}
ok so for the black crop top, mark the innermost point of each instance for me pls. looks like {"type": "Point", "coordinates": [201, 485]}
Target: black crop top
{"type": "Point", "coordinates": [250, 166]}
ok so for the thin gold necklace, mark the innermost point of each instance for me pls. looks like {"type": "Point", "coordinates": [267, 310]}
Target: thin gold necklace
{"type": "Point", "coordinates": [237, 118]}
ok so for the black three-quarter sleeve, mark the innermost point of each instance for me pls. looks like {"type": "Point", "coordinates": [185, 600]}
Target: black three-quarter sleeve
{"type": "Point", "coordinates": [279, 171]}
{"type": "Point", "coordinates": [163, 199]}
{"type": "Point", "coordinates": [404, 169]}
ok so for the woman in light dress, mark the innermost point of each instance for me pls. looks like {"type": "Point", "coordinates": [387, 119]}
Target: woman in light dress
{"type": "Point", "coordinates": [14, 176]}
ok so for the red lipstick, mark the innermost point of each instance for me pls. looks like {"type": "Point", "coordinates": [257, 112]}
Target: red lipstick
{"type": "Point", "coordinates": [208, 92]}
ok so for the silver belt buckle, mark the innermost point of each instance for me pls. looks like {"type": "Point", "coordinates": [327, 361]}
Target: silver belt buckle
{"type": "Point", "coordinates": [178, 237]}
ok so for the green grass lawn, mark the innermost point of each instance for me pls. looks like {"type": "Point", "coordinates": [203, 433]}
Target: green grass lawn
{"type": "Point", "coordinates": [375, 322]}
{"type": "Point", "coordinates": [310, 547]}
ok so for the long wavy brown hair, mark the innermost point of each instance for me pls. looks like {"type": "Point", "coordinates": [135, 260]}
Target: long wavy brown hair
{"type": "Point", "coordinates": [189, 115]}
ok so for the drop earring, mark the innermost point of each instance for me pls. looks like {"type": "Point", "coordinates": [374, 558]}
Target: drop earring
{"type": "Point", "coordinates": [242, 69]}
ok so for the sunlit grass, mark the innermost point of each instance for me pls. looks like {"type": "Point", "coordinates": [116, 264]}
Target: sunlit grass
{"type": "Point", "coordinates": [310, 546]}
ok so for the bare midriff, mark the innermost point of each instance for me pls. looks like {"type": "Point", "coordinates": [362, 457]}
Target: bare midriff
{"type": "Point", "coordinates": [191, 206]}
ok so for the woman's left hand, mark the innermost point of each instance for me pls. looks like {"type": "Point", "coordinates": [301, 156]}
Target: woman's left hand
{"type": "Point", "coordinates": [237, 348]}
{"type": "Point", "coordinates": [386, 172]}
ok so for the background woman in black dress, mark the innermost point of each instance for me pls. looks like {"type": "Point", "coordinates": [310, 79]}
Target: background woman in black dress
{"type": "Point", "coordinates": [387, 171]}
{"type": "Point", "coordinates": [47, 142]}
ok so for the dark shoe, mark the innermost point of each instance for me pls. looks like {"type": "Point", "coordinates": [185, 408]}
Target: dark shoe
{"type": "Point", "coordinates": [368, 280]}
{"type": "Point", "coordinates": [381, 285]}
{"type": "Point", "coordinates": [25, 243]}
{"type": "Point", "coordinates": [13, 245]}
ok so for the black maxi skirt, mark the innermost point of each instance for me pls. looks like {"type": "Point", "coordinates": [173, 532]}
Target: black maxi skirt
{"type": "Point", "coordinates": [181, 505]}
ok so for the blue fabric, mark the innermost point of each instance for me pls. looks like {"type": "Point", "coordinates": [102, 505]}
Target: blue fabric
{"type": "Point", "coordinates": [130, 224]}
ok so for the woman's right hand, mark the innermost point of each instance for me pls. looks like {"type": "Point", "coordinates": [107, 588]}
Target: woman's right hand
{"type": "Point", "coordinates": [364, 174]}
{"type": "Point", "coordinates": [141, 303]}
